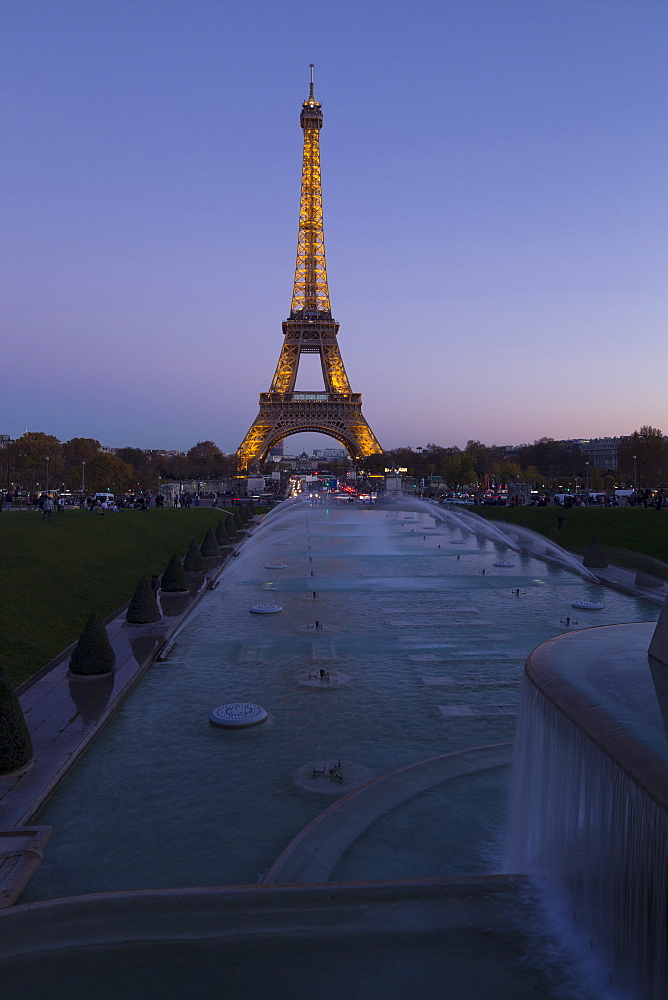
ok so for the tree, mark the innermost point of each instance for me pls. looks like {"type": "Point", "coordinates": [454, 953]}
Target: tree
{"type": "Point", "coordinates": [29, 458]}
{"type": "Point", "coordinates": [108, 473]}
{"type": "Point", "coordinates": [143, 608]}
{"type": "Point", "coordinates": [15, 742]}
{"type": "Point", "coordinates": [93, 653]}
{"type": "Point", "coordinates": [209, 547]}
{"type": "Point", "coordinates": [482, 456]}
{"type": "Point", "coordinates": [193, 562]}
{"type": "Point", "coordinates": [174, 579]}
{"type": "Point", "coordinates": [650, 449]}
{"type": "Point", "coordinates": [205, 460]}
{"type": "Point", "coordinates": [221, 534]}
{"type": "Point", "coordinates": [133, 456]}
{"type": "Point", "coordinates": [229, 526]}
{"type": "Point", "coordinates": [78, 450]}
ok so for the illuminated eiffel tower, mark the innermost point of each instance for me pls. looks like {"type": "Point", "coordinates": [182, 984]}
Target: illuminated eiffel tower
{"type": "Point", "coordinates": [336, 411]}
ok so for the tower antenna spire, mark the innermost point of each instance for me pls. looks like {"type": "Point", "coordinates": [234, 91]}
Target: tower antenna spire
{"type": "Point", "coordinates": [311, 90]}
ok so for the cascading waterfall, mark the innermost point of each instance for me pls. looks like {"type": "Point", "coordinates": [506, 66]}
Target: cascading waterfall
{"type": "Point", "coordinates": [598, 843]}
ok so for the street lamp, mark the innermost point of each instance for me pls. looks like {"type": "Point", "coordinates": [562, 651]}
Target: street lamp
{"type": "Point", "coordinates": [83, 479]}
{"type": "Point", "coordinates": [47, 475]}
{"type": "Point", "coordinates": [419, 482]}
{"type": "Point", "coordinates": [587, 466]}
{"type": "Point", "coordinates": [635, 475]}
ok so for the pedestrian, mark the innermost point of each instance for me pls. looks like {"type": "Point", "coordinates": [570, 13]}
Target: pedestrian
{"type": "Point", "coordinates": [47, 508]}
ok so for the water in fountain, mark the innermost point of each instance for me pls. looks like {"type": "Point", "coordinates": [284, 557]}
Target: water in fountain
{"type": "Point", "coordinates": [430, 655]}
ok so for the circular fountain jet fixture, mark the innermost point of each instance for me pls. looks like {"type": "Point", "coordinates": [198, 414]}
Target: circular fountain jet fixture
{"type": "Point", "coordinates": [506, 565]}
{"type": "Point", "coordinates": [238, 715]}
{"type": "Point", "coordinates": [588, 605]}
{"type": "Point", "coordinates": [275, 565]}
{"type": "Point", "coordinates": [265, 609]}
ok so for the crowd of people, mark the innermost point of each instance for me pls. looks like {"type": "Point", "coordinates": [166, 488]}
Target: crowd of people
{"type": "Point", "coordinates": [100, 503]}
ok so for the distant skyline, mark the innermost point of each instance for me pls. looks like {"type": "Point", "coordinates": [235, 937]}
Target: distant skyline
{"type": "Point", "coordinates": [494, 200]}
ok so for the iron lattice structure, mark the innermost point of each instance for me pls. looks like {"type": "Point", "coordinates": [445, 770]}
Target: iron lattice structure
{"type": "Point", "coordinates": [310, 329]}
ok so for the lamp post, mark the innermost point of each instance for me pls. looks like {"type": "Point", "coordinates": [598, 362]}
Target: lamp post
{"type": "Point", "coordinates": [419, 482]}
{"type": "Point", "coordinates": [635, 475]}
{"type": "Point", "coordinates": [587, 468]}
{"type": "Point", "coordinates": [47, 475]}
{"type": "Point", "coordinates": [83, 479]}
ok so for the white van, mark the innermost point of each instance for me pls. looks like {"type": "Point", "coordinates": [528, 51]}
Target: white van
{"type": "Point", "coordinates": [107, 498]}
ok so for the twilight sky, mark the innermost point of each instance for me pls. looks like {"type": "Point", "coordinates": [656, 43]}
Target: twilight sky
{"type": "Point", "coordinates": [494, 177]}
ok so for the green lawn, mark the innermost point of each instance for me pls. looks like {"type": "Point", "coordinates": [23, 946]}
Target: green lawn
{"type": "Point", "coordinates": [624, 532]}
{"type": "Point", "coordinates": [54, 575]}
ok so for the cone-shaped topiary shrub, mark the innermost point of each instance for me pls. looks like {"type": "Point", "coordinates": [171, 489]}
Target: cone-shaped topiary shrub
{"type": "Point", "coordinates": [193, 562]}
{"type": "Point", "coordinates": [230, 526]}
{"type": "Point", "coordinates": [594, 557]}
{"type": "Point", "coordinates": [221, 533]}
{"type": "Point", "coordinates": [645, 576]}
{"type": "Point", "coordinates": [243, 513]}
{"type": "Point", "coordinates": [93, 653]}
{"type": "Point", "coordinates": [174, 579]}
{"type": "Point", "coordinates": [143, 608]}
{"type": "Point", "coordinates": [252, 509]}
{"type": "Point", "coordinates": [15, 742]}
{"type": "Point", "coordinates": [238, 520]}
{"type": "Point", "coordinates": [209, 547]}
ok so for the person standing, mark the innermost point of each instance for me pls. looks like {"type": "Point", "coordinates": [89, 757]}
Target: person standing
{"type": "Point", "coordinates": [47, 509]}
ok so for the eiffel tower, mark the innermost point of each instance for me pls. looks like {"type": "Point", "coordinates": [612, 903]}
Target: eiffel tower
{"type": "Point", "coordinates": [310, 329]}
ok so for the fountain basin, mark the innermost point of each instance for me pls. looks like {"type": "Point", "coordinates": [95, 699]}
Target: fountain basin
{"type": "Point", "coordinates": [589, 802]}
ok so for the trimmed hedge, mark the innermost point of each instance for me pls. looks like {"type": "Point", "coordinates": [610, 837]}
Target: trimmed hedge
{"type": "Point", "coordinates": [193, 562]}
{"type": "Point", "coordinates": [221, 532]}
{"type": "Point", "coordinates": [143, 608]}
{"type": "Point", "coordinates": [15, 742]}
{"type": "Point", "coordinates": [174, 579]}
{"type": "Point", "coordinates": [209, 547]}
{"type": "Point", "coordinates": [238, 520]}
{"type": "Point", "coordinates": [93, 653]}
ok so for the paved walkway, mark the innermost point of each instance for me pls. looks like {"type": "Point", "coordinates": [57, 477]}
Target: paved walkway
{"type": "Point", "coordinates": [65, 713]}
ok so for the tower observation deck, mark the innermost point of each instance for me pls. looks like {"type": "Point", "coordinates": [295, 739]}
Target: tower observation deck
{"type": "Point", "coordinates": [333, 410]}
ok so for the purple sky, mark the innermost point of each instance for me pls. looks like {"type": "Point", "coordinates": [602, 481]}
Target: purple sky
{"type": "Point", "coordinates": [495, 214]}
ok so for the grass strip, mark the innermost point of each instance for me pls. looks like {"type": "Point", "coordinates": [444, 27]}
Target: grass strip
{"type": "Point", "coordinates": [54, 575]}
{"type": "Point", "coordinates": [624, 532]}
